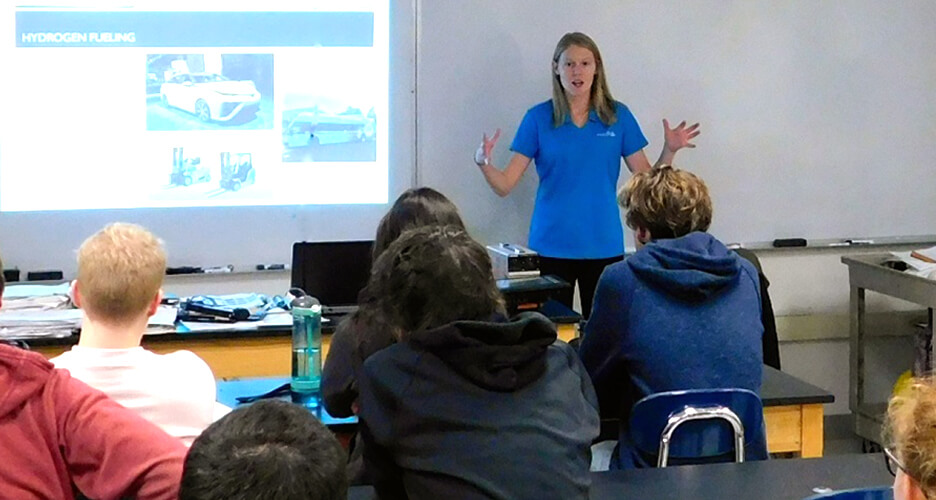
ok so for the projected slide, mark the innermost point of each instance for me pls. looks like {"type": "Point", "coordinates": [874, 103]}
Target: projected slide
{"type": "Point", "coordinates": [181, 104]}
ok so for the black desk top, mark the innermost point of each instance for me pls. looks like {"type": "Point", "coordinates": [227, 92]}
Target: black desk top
{"type": "Point", "coordinates": [782, 389]}
{"type": "Point", "coordinates": [769, 480]}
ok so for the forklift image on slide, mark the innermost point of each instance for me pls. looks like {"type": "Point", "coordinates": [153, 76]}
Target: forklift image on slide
{"type": "Point", "coordinates": [236, 171]}
{"type": "Point", "coordinates": [187, 170]}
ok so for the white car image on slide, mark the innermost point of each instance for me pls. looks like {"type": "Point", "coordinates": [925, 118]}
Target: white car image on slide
{"type": "Point", "coordinates": [209, 96]}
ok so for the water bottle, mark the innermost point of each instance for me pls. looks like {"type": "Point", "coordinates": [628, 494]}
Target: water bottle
{"type": "Point", "coordinates": [306, 351]}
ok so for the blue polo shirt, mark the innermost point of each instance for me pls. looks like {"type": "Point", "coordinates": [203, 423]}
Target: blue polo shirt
{"type": "Point", "coordinates": [576, 214]}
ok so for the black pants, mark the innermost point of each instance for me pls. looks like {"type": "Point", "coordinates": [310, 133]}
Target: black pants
{"type": "Point", "coordinates": [584, 271]}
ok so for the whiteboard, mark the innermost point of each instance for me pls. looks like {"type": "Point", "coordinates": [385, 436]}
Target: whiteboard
{"type": "Point", "coordinates": [817, 122]}
{"type": "Point", "coordinates": [818, 117]}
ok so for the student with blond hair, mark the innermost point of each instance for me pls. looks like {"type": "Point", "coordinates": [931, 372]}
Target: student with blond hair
{"type": "Point", "coordinates": [684, 312]}
{"type": "Point", "coordinates": [59, 437]}
{"type": "Point", "coordinates": [120, 275]}
{"type": "Point", "coordinates": [910, 434]}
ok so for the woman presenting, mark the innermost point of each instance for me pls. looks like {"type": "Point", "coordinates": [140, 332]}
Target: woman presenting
{"type": "Point", "coordinates": [577, 139]}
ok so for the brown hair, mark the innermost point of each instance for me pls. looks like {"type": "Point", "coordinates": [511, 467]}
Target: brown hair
{"type": "Point", "coordinates": [432, 276]}
{"type": "Point", "coordinates": [120, 271]}
{"type": "Point", "coordinates": [414, 208]}
{"type": "Point", "coordinates": [600, 99]}
{"type": "Point", "coordinates": [666, 201]}
{"type": "Point", "coordinates": [910, 429]}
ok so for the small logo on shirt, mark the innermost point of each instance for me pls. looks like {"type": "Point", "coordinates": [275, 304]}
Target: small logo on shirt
{"type": "Point", "coordinates": [607, 133]}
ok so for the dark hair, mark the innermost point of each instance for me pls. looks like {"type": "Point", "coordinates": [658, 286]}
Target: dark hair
{"type": "Point", "coordinates": [415, 208]}
{"type": "Point", "coordinates": [269, 450]}
{"type": "Point", "coordinates": [2, 279]}
{"type": "Point", "coordinates": [431, 276]}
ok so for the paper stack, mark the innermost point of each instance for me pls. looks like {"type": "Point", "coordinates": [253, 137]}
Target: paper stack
{"type": "Point", "coordinates": [39, 324]}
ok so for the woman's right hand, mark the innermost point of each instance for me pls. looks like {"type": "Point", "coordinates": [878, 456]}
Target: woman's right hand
{"type": "Point", "coordinates": [488, 144]}
{"type": "Point", "coordinates": [501, 181]}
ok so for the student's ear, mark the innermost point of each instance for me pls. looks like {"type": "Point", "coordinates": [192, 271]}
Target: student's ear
{"type": "Point", "coordinates": [906, 488]}
{"type": "Point", "coordinates": [75, 294]}
{"type": "Point", "coordinates": [154, 305]}
{"type": "Point", "coordinates": [643, 235]}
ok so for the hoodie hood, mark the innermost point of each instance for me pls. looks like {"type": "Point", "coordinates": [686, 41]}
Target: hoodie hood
{"type": "Point", "coordinates": [499, 355]}
{"type": "Point", "coordinates": [22, 375]}
{"type": "Point", "coordinates": [692, 268]}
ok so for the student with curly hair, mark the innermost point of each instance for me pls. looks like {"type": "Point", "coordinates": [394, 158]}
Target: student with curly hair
{"type": "Point", "coordinates": [684, 312]}
{"type": "Point", "coordinates": [910, 431]}
{"type": "Point", "coordinates": [468, 404]}
{"type": "Point", "coordinates": [364, 332]}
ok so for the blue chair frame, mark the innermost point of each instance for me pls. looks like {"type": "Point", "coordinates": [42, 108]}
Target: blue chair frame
{"type": "Point", "coordinates": [873, 493]}
{"type": "Point", "coordinates": [690, 426]}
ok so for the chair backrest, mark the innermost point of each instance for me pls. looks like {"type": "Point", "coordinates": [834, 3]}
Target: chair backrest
{"type": "Point", "coordinates": [875, 493]}
{"type": "Point", "coordinates": [699, 424]}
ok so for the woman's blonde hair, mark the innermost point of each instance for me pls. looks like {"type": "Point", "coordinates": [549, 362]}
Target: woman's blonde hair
{"type": "Point", "coordinates": [600, 99]}
{"type": "Point", "coordinates": [910, 429]}
{"type": "Point", "coordinates": [666, 201]}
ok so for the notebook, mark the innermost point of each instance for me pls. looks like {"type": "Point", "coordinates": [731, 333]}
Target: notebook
{"type": "Point", "coordinates": [333, 272]}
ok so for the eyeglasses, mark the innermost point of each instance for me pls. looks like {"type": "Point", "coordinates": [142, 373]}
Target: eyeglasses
{"type": "Point", "coordinates": [890, 460]}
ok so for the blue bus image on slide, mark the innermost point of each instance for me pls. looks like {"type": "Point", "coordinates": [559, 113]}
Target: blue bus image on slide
{"type": "Point", "coordinates": [317, 134]}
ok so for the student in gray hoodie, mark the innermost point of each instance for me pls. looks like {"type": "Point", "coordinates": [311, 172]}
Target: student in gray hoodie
{"type": "Point", "coordinates": [468, 404]}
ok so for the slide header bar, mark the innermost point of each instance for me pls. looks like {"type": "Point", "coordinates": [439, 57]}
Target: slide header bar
{"type": "Point", "coordinates": [194, 29]}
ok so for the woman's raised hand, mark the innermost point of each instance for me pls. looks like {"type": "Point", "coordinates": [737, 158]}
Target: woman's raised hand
{"type": "Point", "coordinates": [680, 136]}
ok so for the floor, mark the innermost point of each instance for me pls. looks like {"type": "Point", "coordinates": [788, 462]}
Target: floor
{"type": "Point", "coordinates": [840, 438]}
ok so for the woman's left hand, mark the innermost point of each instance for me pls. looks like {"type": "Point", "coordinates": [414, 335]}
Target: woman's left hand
{"type": "Point", "coordinates": [679, 137]}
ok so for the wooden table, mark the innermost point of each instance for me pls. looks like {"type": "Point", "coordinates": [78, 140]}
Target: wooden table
{"type": "Point", "coordinates": [793, 414]}
{"type": "Point", "coordinates": [264, 352]}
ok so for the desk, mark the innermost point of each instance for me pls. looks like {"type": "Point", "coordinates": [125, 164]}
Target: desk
{"type": "Point", "coordinates": [230, 390]}
{"type": "Point", "coordinates": [793, 414]}
{"type": "Point", "coordinates": [865, 272]}
{"type": "Point", "coordinates": [263, 352]}
{"type": "Point", "coordinates": [767, 480]}
{"type": "Point", "coordinates": [792, 409]}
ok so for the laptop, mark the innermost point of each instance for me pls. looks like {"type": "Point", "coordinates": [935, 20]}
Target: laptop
{"type": "Point", "coordinates": [334, 272]}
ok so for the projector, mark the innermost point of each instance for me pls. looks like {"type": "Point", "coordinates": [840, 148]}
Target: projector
{"type": "Point", "coordinates": [513, 261]}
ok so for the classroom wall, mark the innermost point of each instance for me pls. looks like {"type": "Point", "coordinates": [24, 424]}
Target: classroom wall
{"type": "Point", "coordinates": [808, 109]}
{"type": "Point", "coordinates": [481, 63]}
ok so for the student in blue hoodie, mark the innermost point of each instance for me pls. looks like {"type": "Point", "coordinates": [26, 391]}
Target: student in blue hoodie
{"type": "Point", "coordinates": [684, 312]}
